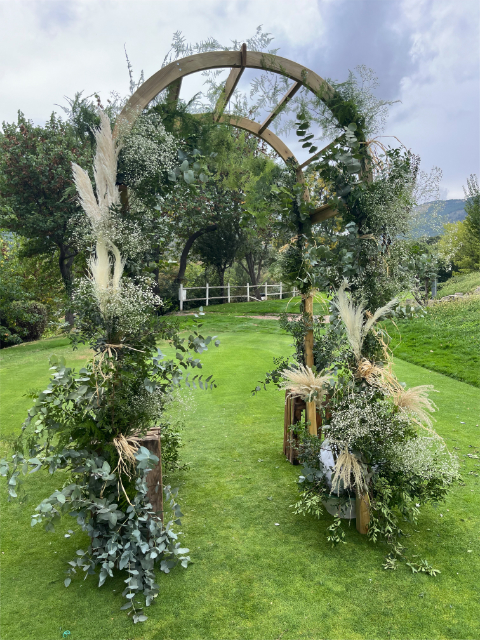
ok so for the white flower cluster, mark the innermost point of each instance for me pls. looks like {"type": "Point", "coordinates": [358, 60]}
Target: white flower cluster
{"type": "Point", "coordinates": [364, 421]}
{"type": "Point", "coordinates": [132, 305]}
{"type": "Point", "coordinates": [147, 150]}
{"type": "Point", "coordinates": [425, 457]}
{"type": "Point", "coordinates": [129, 307]}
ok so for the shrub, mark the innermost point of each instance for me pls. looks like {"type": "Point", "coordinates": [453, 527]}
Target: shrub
{"type": "Point", "coordinates": [7, 338]}
{"type": "Point", "coordinates": [28, 319]}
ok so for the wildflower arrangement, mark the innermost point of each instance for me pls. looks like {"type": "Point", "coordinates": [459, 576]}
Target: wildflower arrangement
{"type": "Point", "coordinates": [377, 443]}
{"type": "Point", "coordinates": [88, 424]}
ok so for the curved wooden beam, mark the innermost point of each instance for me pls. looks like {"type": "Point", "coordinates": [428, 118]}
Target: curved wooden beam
{"type": "Point", "coordinates": [218, 60]}
{"type": "Point", "coordinates": [268, 136]}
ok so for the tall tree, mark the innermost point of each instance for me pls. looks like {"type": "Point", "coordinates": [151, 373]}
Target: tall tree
{"type": "Point", "coordinates": [36, 188]}
{"type": "Point", "coordinates": [219, 248]}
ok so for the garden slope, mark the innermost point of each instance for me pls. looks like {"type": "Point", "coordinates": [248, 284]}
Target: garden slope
{"type": "Point", "coordinates": [250, 579]}
{"type": "Point", "coordinates": [447, 340]}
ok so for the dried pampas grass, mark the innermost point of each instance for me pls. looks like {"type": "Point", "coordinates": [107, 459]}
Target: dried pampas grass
{"type": "Point", "coordinates": [105, 165]}
{"type": "Point", "coordinates": [105, 175]}
{"type": "Point", "coordinates": [303, 383]}
{"type": "Point", "coordinates": [416, 401]}
{"type": "Point", "coordinates": [353, 319]}
{"type": "Point", "coordinates": [347, 465]}
{"type": "Point", "coordinates": [126, 451]}
{"type": "Point", "coordinates": [97, 209]}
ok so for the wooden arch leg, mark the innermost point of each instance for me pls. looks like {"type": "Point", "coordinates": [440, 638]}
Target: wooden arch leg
{"type": "Point", "coordinates": [309, 361]}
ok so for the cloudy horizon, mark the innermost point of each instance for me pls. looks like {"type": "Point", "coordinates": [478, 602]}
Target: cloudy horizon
{"type": "Point", "coordinates": [424, 52]}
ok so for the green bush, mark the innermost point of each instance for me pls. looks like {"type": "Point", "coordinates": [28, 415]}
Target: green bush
{"type": "Point", "coordinates": [28, 319]}
{"type": "Point", "coordinates": [7, 338]}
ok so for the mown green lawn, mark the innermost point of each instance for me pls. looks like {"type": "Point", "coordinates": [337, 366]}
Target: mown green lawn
{"type": "Point", "coordinates": [267, 307]}
{"type": "Point", "coordinates": [250, 579]}
{"type": "Point", "coordinates": [447, 340]}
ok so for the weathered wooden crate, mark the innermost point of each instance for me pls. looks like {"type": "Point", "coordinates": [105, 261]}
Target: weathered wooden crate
{"type": "Point", "coordinates": [151, 441]}
{"type": "Point", "coordinates": [295, 409]}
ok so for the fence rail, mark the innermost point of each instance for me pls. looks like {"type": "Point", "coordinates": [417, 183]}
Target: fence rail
{"type": "Point", "coordinates": [265, 289]}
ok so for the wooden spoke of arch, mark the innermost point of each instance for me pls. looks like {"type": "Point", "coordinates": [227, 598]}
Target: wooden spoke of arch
{"type": "Point", "coordinates": [231, 84]}
{"type": "Point", "coordinates": [286, 98]}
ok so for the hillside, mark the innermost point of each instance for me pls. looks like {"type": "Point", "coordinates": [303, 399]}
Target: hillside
{"type": "Point", "coordinates": [433, 215]}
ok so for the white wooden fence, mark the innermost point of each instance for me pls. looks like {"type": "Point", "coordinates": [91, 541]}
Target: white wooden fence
{"type": "Point", "coordinates": [265, 288]}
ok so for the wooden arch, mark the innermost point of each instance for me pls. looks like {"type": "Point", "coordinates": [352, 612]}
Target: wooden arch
{"type": "Point", "coordinates": [171, 76]}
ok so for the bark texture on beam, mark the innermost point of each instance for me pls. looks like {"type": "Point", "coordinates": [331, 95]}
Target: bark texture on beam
{"type": "Point", "coordinates": [286, 98]}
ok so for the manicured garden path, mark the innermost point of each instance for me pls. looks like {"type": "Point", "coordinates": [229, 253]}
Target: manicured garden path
{"type": "Point", "coordinates": [250, 578]}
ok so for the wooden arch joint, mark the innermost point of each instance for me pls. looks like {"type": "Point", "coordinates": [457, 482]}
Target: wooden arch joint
{"type": "Point", "coordinates": [231, 84]}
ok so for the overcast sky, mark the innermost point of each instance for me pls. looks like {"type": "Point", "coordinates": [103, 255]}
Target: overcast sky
{"type": "Point", "coordinates": [425, 53]}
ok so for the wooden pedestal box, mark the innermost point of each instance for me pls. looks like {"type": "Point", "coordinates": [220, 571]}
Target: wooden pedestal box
{"type": "Point", "coordinates": [152, 442]}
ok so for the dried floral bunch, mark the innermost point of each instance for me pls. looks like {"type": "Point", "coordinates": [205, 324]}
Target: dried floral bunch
{"type": "Point", "coordinates": [303, 383]}
{"type": "Point", "coordinates": [105, 275]}
{"type": "Point", "coordinates": [353, 317]}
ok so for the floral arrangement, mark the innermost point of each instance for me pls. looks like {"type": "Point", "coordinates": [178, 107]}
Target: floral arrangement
{"type": "Point", "coordinates": [88, 424]}
{"type": "Point", "coordinates": [377, 443]}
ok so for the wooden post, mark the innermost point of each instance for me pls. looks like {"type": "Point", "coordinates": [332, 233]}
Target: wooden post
{"type": "Point", "coordinates": [362, 511]}
{"type": "Point", "coordinates": [309, 361]}
{"type": "Point", "coordinates": [266, 291]}
{"type": "Point", "coordinates": [248, 292]}
{"type": "Point", "coordinates": [206, 297]}
{"type": "Point", "coordinates": [180, 296]}
{"type": "Point", "coordinates": [228, 291]}
{"type": "Point", "coordinates": [281, 287]}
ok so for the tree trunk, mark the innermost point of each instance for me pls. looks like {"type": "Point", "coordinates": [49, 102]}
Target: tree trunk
{"type": "Point", "coordinates": [186, 250]}
{"type": "Point", "coordinates": [253, 275]}
{"type": "Point", "coordinates": [65, 262]}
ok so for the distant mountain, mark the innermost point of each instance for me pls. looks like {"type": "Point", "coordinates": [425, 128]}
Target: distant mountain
{"type": "Point", "coordinates": [433, 215]}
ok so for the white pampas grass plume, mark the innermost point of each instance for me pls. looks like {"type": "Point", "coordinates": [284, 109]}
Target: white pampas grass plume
{"type": "Point", "coordinates": [86, 197]}
{"type": "Point", "coordinates": [353, 319]}
{"type": "Point", "coordinates": [100, 266]}
{"type": "Point", "coordinates": [303, 383]}
{"type": "Point", "coordinates": [105, 165]}
{"type": "Point", "coordinates": [105, 174]}
{"type": "Point", "coordinates": [416, 401]}
{"type": "Point", "coordinates": [97, 209]}
{"type": "Point", "coordinates": [377, 315]}
{"type": "Point", "coordinates": [347, 466]}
